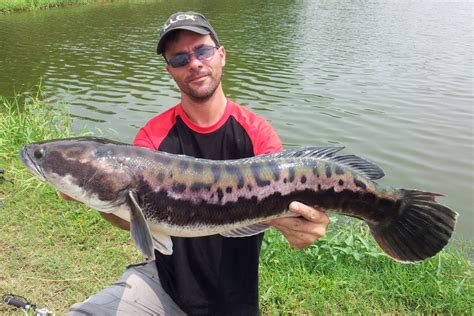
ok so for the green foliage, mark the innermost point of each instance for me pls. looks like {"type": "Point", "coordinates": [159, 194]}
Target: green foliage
{"type": "Point", "coordinates": [26, 119]}
{"type": "Point", "coordinates": [16, 5]}
{"type": "Point", "coordinates": [53, 252]}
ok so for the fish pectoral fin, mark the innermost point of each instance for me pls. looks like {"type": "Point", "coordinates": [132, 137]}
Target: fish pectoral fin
{"type": "Point", "coordinates": [246, 231]}
{"type": "Point", "coordinates": [163, 244]}
{"type": "Point", "coordinates": [139, 229]}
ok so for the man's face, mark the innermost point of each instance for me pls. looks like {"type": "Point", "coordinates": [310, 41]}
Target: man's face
{"type": "Point", "coordinates": [199, 79]}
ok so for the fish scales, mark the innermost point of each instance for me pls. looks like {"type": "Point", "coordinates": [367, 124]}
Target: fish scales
{"type": "Point", "coordinates": [164, 194]}
{"type": "Point", "coordinates": [261, 180]}
{"type": "Point", "coordinates": [219, 202]}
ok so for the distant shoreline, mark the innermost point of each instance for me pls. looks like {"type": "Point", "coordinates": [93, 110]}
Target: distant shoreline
{"type": "Point", "coordinates": [11, 6]}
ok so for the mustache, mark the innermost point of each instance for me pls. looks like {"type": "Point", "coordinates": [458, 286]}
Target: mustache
{"type": "Point", "coordinates": [197, 74]}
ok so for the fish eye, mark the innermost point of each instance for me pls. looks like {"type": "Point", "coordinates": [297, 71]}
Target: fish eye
{"type": "Point", "coordinates": [39, 153]}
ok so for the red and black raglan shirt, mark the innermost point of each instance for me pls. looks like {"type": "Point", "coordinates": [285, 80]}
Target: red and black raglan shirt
{"type": "Point", "coordinates": [211, 275]}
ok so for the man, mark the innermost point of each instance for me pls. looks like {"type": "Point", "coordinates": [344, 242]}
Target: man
{"type": "Point", "coordinates": [211, 275]}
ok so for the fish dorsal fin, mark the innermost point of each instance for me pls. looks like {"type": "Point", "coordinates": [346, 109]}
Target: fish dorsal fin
{"type": "Point", "coordinates": [311, 151]}
{"type": "Point", "coordinates": [362, 166]}
{"type": "Point", "coordinates": [302, 152]}
{"type": "Point", "coordinates": [139, 228]}
{"type": "Point", "coordinates": [246, 231]}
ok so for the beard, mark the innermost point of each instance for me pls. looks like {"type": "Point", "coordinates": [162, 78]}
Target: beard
{"type": "Point", "coordinates": [201, 94]}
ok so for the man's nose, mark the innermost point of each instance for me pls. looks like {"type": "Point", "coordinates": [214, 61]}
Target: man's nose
{"type": "Point", "coordinates": [194, 62]}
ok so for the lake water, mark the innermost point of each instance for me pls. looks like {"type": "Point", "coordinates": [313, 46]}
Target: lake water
{"type": "Point", "coordinates": [390, 80]}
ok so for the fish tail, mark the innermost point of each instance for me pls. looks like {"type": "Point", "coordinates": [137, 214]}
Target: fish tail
{"type": "Point", "coordinates": [421, 230]}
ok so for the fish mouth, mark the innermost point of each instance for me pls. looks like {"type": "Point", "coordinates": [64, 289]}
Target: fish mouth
{"type": "Point", "coordinates": [30, 164]}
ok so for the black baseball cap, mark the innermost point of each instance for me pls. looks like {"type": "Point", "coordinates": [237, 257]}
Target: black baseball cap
{"type": "Point", "coordinates": [191, 21]}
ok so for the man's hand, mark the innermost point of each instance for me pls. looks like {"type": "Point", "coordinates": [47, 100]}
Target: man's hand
{"type": "Point", "coordinates": [66, 197]}
{"type": "Point", "coordinates": [111, 218]}
{"type": "Point", "coordinates": [302, 231]}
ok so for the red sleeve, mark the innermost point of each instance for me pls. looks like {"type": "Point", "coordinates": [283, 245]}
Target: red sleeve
{"type": "Point", "coordinates": [264, 138]}
{"type": "Point", "coordinates": [153, 133]}
{"type": "Point", "coordinates": [143, 139]}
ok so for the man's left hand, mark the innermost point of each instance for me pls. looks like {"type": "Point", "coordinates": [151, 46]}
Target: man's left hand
{"type": "Point", "coordinates": [302, 231]}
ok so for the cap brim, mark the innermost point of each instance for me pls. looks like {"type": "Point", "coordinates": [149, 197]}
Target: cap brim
{"type": "Point", "coordinates": [195, 29]}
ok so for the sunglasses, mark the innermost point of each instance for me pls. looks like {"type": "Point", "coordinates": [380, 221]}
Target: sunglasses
{"type": "Point", "coordinates": [204, 52]}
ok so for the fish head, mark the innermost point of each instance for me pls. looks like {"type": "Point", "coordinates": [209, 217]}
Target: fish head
{"type": "Point", "coordinates": [88, 170]}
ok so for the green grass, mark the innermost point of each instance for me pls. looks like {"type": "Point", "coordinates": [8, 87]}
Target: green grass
{"type": "Point", "coordinates": [354, 280]}
{"type": "Point", "coordinates": [21, 5]}
{"type": "Point", "coordinates": [53, 252]}
{"type": "Point", "coordinates": [56, 253]}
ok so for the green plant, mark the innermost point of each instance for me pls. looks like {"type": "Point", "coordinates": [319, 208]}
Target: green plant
{"type": "Point", "coordinates": [27, 119]}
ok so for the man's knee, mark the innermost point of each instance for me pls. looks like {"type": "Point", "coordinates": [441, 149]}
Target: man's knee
{"type": "Point", "coordinates": [137, 292]}
{"type": "Point", "coordinates": [105, 302]}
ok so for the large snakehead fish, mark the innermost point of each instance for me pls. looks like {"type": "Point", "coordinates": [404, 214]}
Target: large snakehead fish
{"type": "Point", "coordinates": [164, 195]}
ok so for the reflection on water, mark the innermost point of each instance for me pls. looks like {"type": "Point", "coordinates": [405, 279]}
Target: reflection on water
{"type": "Point", "coordinates": [392, 81]}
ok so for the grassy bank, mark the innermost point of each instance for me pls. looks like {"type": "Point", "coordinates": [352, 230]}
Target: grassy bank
{"type": "Point", "coordinates": [55, 253]}
{"type": "Point", "coordinates": [22, 5]}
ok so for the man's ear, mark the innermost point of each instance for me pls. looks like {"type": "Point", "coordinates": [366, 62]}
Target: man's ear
{"type": "Point", "coordinates": [222, 53]}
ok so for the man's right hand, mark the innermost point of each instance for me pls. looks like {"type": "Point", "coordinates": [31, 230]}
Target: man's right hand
{"type": "Point", "coordinates": [66, 197]}
{"type": "Point", "coordinates": [111, 218]}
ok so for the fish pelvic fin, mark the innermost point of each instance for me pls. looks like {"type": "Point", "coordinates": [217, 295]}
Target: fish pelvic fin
{"type": "Point", "coordinates": [422, 230]}
{"type": "Point", "coordinates": [139, 228]}
{"type": "Point", "coordinates": [163, 244]}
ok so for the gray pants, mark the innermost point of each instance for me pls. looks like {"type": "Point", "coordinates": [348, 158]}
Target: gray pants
{"type": "Point", "coordinates": [137, 292]}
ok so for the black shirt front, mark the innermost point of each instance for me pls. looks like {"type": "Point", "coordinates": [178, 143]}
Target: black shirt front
{"type": "Point", "coordinates": [211, 275]}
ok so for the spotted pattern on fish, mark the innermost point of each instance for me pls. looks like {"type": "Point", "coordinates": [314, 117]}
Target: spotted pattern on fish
{"type": "Point", "coordinates": [198, 168]}
{"type": "Point", "coordinates": [163, 160]}
{"type": "Point", "coordinates": [303, 179]}
{"type": "Point", "coordinates": [274, 204]}
{"type": "Point", "coordinates": [261, 176]}
{"type": "Point", "coordinates": [258, 176]}
{"type": "Point", "coordinates": [328, 171]}
{"type": "Point", "coordinates": [274, 169]}
{"type": "Point", "coordinates": [220, 194]}
{"type": "Point", "coordinates": [178, 187]}
{"type": "Point", "coordinates": [199, 186]}
{"type": "Point", "coordinates": [291, 172]}
{"type": "Point", "coordinates": [235, 172]}
{"type": "Point", "coordinates": [161, 177]}
{"type": "Point", "coordinates": [216, 172]}
{"type": "Point", "coordinates": [183, 165]}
